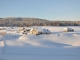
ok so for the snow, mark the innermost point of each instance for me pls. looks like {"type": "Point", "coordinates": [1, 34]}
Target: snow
{"type": "Point", "coordinates": [68, 28]}
{"type": "Point", "coordinates": [56, 46]}
{"type": "Point", "coordinates": [46, 31]}
{"type": "Point", "coordinates": [38, 29]}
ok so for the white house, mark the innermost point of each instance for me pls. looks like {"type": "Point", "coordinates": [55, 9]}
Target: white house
{"type": "Point", "coordinates": [68, 30]}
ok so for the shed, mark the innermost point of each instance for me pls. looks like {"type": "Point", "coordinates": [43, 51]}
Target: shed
{"type": "Point", "coordinates": [39, 31]}
{"type": "Point", "coordinates": [36, 31]}
{"type": "Point", "coordinates": [24, 30]}
{"type": "Point", "coordinates": [68, 30]}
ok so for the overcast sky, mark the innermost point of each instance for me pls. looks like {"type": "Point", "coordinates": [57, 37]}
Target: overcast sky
{"type": "Point", "coordinates": [44, 9]}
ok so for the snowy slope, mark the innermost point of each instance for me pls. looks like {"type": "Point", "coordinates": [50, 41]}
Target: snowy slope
{"type": "Point", "coordinates": [56, 46]}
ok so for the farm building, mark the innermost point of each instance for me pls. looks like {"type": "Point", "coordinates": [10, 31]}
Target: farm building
{"type": "Point", "coordinates": [24, 30]}
{"type": "Point", "coordinates": [68, 30]}
{"type": "Point", "coordinates": [36, 31]}
{"type": "Point", "coordinates": [39, 31]}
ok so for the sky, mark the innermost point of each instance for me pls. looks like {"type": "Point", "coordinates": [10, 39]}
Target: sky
{"type": "Point", "coordinates": [43, 9]}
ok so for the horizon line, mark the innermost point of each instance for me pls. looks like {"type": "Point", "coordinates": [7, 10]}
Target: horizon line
{"type": "Point", "coordinates": [43, 18]}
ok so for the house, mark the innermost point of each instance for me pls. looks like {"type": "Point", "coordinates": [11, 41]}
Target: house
{"type": "Point", "coordinates": [68, 30]}
{"type": "Point", "coordinates": [37, 31]}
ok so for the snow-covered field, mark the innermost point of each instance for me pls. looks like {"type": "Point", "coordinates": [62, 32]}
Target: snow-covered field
{"type": "Point", "coordinates": [56, 46]}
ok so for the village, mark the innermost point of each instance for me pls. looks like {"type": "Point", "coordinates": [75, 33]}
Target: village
{"type": "Point", "coordinates": [30, 30]}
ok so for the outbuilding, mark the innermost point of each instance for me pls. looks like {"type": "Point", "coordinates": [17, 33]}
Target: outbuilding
{"type": "Point", "coordinates": [37, 31]}
{"type": "Point", "coordinates": [24, 30]}
{"type": "Point", "coordinates": [68, 30]}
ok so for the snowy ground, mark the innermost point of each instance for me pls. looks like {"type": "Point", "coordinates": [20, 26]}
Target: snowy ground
{"type": "Point", "coordinates": [56, 46]}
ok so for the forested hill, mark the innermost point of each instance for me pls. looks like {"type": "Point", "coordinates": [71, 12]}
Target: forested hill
{"type": "Point", "coordinates": [35, 22]}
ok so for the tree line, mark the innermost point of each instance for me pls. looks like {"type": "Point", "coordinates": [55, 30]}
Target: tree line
{"type": "Point", "coordinates": [21, 22]}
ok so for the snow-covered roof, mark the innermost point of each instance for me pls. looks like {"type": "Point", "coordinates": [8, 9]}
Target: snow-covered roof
{"type": "Point", "coordinates": [39, 29]}
{"type": "Point", "coordinates": [68, 28]}
{"type": "Point", "coordinates": [46, 31]}
{"type": "Point", "coordinates": [25, 28]}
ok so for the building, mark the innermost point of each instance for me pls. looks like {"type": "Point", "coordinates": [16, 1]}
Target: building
{"type": "Point", "coordinates": [37, 31]}
{"type": "Point", "coordinates": [68, 30]}
{"type": "Point", "coordinates": [24, 30]}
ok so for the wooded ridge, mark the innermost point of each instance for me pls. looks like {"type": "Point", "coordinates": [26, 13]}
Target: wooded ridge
{"type": "Point", "coordinates": [35, 22]}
